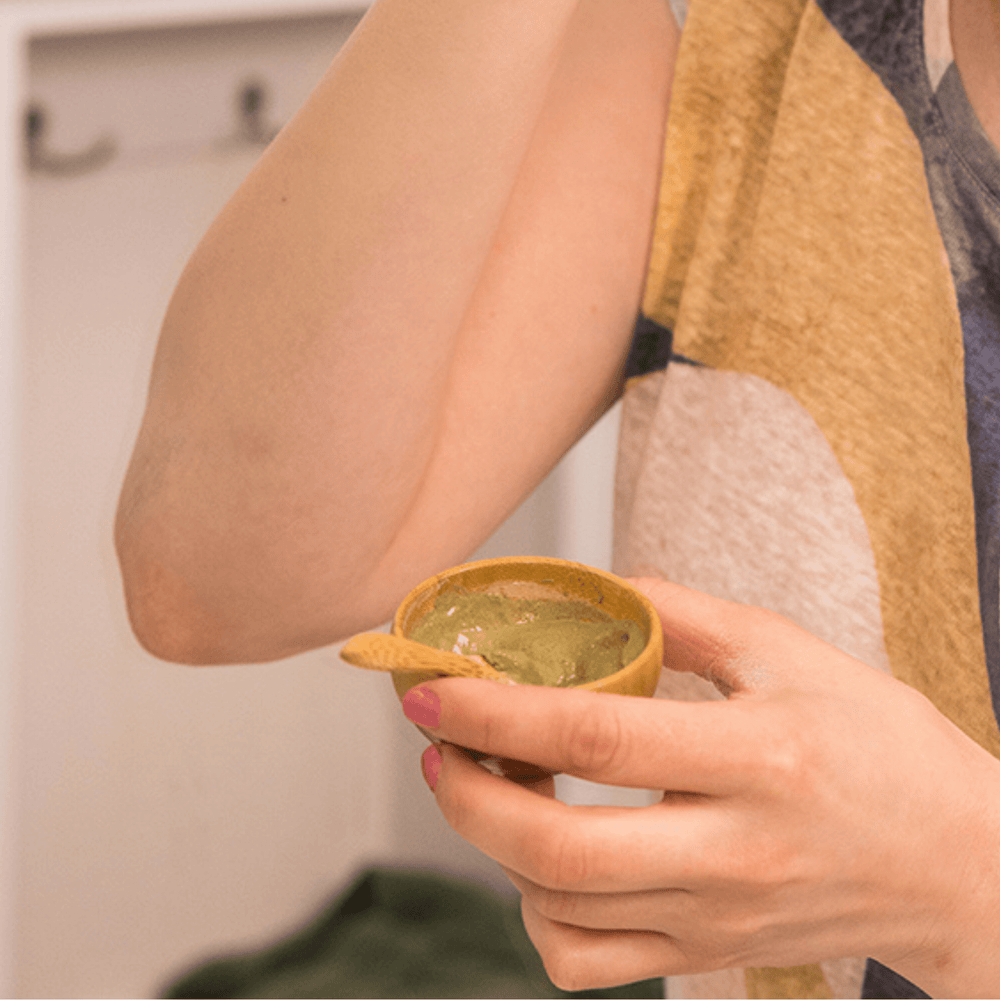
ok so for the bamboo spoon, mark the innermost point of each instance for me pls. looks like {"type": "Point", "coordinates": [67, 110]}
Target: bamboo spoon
{"type": "Point", "coordinates": [377, 651]}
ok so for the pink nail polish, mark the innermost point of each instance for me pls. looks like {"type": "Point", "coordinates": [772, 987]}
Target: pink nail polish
{"type": "Point", "coordinates": [422, 707]}
{"type": "Point", "coordinates": [430, 764]}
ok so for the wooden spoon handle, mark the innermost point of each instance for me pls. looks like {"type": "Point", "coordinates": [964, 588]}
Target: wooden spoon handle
{"type": "Point", "coordinates": [377, 651]}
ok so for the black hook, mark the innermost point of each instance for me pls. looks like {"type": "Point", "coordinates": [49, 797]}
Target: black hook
{"type": "Point", "coordinates": [251, 107]}
{"type": "Point", "coordinates": [42, 160]}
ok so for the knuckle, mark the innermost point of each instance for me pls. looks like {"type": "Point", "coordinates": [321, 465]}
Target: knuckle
{"type": "Point", "coordinates": [487, 729]}
{"type": "Point", "coordinates": [486, 739]}
{"type": "Point", "coordinates": [782, 761]}
{"type": "Point", "coordinates": [764, 878]}
{"type": "Point", "coordinates": [596, 742]}
{"type": "Point", "coordinates": [562, 859]}
{"type": "Point", "coordinates": [557, 905]}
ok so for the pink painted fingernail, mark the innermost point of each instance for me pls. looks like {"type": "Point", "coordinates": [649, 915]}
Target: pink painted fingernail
{"type": "Point", "coordinates": [422, 707]}
{"type": "Point", "coordinates": [430, 764]}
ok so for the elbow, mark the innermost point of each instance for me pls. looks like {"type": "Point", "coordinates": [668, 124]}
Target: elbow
{"type": "Point", "coordinates": [164, 615]}
{"type": "Point", "coordinates": [167, 623]}
{"type": "Point", "coordinates": [201, 597]}
{"type": "Point", "coordinates": [167, 618]}
{"type": "Point", "coordinates": [171, 624]}
{"type": "Point", "coordinates": [183, 615]}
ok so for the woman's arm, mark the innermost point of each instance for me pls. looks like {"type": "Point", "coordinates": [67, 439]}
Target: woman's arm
{"type": "Point", "coordinates": [418, 300]}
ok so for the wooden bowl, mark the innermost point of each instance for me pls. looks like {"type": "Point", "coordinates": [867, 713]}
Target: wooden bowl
{"type": "Point", "coordinates": [537, 577]}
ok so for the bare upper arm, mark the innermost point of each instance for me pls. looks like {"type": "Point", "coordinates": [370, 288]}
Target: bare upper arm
{"type": "Point", "coordinates": [258, 519]}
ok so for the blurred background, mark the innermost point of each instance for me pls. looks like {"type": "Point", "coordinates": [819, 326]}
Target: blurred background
{"type": "Point", "coordinates": [153, 815]}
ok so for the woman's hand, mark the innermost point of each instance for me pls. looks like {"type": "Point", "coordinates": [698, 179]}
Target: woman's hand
{"type": "Point", "coordinates": [822, 810]}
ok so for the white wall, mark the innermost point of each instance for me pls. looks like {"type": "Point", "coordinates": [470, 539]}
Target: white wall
{"type": "Point", "coordinates": [167, 813]}
{"type": "Point", "coordinates": [10, 419]}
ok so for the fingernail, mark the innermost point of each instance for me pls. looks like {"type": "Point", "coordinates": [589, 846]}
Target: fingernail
{"type": "Point", "coordinates": [422, 707]}
{"type": "Point", "coordinates": [430, 764]}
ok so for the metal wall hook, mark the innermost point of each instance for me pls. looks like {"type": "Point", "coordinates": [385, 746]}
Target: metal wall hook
{"type": "Point", "coordinates": [42, 160]}
{"type": "Point", "coordinates": [251, 114]}
{"type": "Point", "coordinates": [252, 128]}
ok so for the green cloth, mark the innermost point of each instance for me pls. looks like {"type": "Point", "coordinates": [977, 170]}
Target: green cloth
{"type": "Point", "coordinates": [398, 934]}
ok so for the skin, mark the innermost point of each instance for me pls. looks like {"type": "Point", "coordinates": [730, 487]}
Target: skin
{"type": "Point", "coordinates": [975, 40]}
{"type": "Point", "coordinates": [822, 810]}
{"type": "Point", "coordinates": [421, 297]}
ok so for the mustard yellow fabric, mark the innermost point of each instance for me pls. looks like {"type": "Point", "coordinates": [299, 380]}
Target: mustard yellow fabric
{"type": "Point", "coordinates": [776, 258]}
{"type": "Point", "coordinates": [796, 245]}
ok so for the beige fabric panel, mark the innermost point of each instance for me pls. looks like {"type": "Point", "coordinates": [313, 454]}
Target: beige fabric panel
{"type": "Point", "coordinates": [738, 493]}
{"type": "Point", "coordinates": [729, 983]}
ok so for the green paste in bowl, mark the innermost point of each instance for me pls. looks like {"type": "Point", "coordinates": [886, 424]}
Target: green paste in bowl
{"type": "Point", "coordinates": [559, 643]}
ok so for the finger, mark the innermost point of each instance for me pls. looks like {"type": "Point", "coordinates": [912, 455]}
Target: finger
{"type": "Point", "coordinates": [700, 747]}
{"type": "Point", "coordinates": [698, 637]}
{"type": "Point", "coordinates": [578, 848]}
{"type": "Point", "coordinates": [656, 910]}
{"type": "Point", "coordinates": [739, 648]}
{"type": "Point", "coordinates": [576, 958]}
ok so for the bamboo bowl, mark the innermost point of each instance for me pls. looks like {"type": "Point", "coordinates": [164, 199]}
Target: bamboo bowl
{"type": "Point", "coordinates": [538, 577]}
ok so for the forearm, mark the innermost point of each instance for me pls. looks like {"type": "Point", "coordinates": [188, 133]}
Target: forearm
{"type": "Point", "coordinates": [325, 305]}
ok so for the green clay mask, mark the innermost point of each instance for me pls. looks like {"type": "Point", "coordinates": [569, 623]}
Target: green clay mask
{"type": "Point", "coordinates": [558, 643]}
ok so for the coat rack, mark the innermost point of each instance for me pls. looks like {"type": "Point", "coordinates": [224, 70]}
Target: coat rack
{"type": "Point", "coordinates": [252, 128]}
